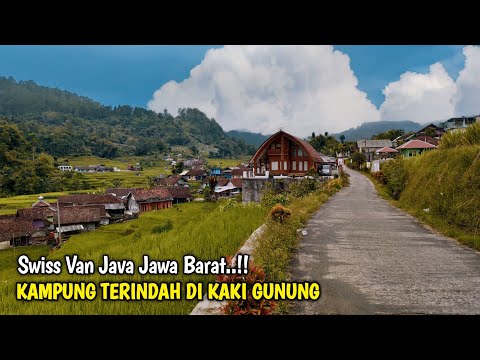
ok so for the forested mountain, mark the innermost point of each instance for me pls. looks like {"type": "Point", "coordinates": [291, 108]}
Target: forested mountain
{"type": "Point", "coordinates": [369, 129]}
{"type": "Point", "coordinates": [65, 124]}
{"type": "Point", "coordinates": [250, 138]}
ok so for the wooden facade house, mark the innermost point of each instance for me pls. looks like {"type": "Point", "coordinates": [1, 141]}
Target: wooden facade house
{"type": "Point", "coordinates": [15, 232]}
{"type": "Point", "coordinates": [285, 154]}
{"type": "Point", "coordinates": [180, 194]}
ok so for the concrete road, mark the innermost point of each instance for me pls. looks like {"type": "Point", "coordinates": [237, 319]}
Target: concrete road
{"type": "Point", "coordinates": [372, 258]}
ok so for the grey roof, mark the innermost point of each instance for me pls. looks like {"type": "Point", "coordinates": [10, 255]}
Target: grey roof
{"type": "Point", "coordinates": [374, 143]}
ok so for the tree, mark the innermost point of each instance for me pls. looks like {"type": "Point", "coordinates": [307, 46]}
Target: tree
{"type": "Point", "coordinates": [358, 159]}
{"type": "Point", "coordinates": [313, 134]}
{"type": "Point", "coordinates": [178, 168]}
{"type": "Point", "coordinates": [342, 138]}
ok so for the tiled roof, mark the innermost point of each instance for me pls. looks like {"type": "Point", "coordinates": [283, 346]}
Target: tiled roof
{"type": "Point", "coordinates": [120, 191]}
{"type": "Point", "coordinates": [161, 194]}
{"type": "Point", "coordinates": [169, 181]}
{"type": "Point", "coordinates": [11, 227]}
{"type": "Point", "coordinates": [180, 192]}
{"type": "Point", "coordinates": [86, 199]}
{"type": "Point", "coordinates": [196, 172]}
{"type": "Point", "coordinates": [314, 154]}
{"type": "Point", "coordinates": [222, 181]}
{"type": "Point", "coordinates": [239, 171]}
{"type": "Point", "coordinates": [36, 213]}
{"type": "Point", "coordinates": [386, 149]}
{"type": "Point", "coordinates": [237, 182]}
{"type": "Point", "coordinates": [428, 139]}
{"type": "Point", "coordinates": [80, 214]}
{"type": "Point", "coordinates": [374, 143]}
{"type": "Point", "coordinates": [416, 144]}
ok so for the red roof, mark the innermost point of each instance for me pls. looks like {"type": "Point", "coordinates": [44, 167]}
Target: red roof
{"type": "Point", "coordinates": [416, 144]}
{"type": "Point", "coordinates": [169, 181]}
{"type": "Point", "coordinates": [239, 171]}
{"type": "Point", "coordinates": [89, 199]}
{"type": "Point", "coordinates": [314, 154]}
{"type": "Point", "coordinates": [222, 181]}
{"type": "Point", "coordinates": [180, 192]}
{"type": "Point", "coordinates": [196, 172]}
{"type": "Point", "coordinates": [156, 194]}
{"type": "Point", "coordinates": [386, 149]}
{"type": "Point", "coordinates": [13, 227]}
{"type": "Point", "coordinates": [237, 182]}
{"type": "Point", "coordinates": [120, 191]}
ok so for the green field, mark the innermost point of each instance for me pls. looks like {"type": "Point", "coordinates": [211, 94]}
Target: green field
{"type": "Point", "coordinates": [223, 163]}
{"type": "Point", "coordinates": [11, 204]}
{"type": "Point", "coordinates": [199, 229]}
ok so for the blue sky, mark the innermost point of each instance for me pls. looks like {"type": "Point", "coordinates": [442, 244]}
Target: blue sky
{"type": "Point", "coordinates": [261, 88]}
{"type": "Point", "coordinates": [117, 75]}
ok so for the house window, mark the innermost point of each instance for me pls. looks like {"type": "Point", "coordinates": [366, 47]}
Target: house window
{"type": "Point", "coordinates": [272, 146]}
{"type": "Point", "coordinates": [294, 165]}
{"type": "Point", "coordinates": [305, 165]}
{"type": "Point", "coordinates": [274, 165]}
{"type": "Point", "coordinates": [300, 166]}
{"type": "Point", "coordinates": [285, 165]}
{"type": "Point", "coordinates": [278, 146]}
{"type": "Point", "coordinates": [300, 152]}
{"type": "Point", "coordinates": [414, 153]}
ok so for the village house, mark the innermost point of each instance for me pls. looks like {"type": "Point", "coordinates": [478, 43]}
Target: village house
{"type": "Point", "coordinates": [193, 163]}
{"type": "Point", "coordinates": [237, 172]}
{"type": "Point", "coordinates": [115, 207]}
{"type": "Point", "coordinates": [93, 168]}
{"type": "Point", "coordinates": [460, 123]}
{"type": "Point", "coordinates": [44, 217]}
{"type": "Point", "coordinates": [370, 147]}
{"type": "Point", "coordinates": [228, 187]}
{"type": "Point", "coordinates": [171, 181]}
{"type": "Point", "coordinates": [65, 168]}
{"type": "Point", "coordinates": [285, 154]}
{"type": "Point", "coordinates": [180, 194]}
{"type": "Point", "coordinates": [142, 200]}
{"type": "Point", "coordinates": [386, 153]}
{"type": "Point", "coordinates": [414, 148]}
{"type": "Point", "coordinates": [15, 232]}
{"type": "Point", "coordinates": [195, 174]}
{"type": "Point", "coordinates": [430, 133]}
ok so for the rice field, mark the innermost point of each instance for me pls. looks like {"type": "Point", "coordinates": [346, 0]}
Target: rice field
{"type": "Point", "coordinates": [199, 229]}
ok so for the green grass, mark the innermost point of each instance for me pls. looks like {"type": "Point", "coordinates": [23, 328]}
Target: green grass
{"type": "Point", "coordinates": [199, 229]}
{"type": "Point", "coordinates": [445, 181]}
{"type": "Point", "coordinates": [11, 204]}
{"type": "Point", "coordinates": [223, 163]}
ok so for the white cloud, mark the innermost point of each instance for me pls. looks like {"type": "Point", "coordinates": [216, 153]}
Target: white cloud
{"type": "Point", "coordinates": [420, 97]}
{"type": "Point", "coordinates": [467, 99]}
{"type": "Point", "coordinates": [262, 88]}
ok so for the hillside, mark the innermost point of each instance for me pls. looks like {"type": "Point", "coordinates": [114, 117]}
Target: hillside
{"type": "Point", "coordinates": [255, 139]}
{"type": "Point", "coordinates": [65, 124]}
{"type": "Point", "coordinates": [368, 129]}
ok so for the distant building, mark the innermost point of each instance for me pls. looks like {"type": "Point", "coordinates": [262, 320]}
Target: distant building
{"type": "Point", "coordinates": [285, 154]}
{"type": "Point", "coordinates": [180, 194]}
{"type": "Point", "coordinates": [65, 168]}
{"type": "Point", "coordinates": [370, 147]}
{"type": "Point", "coordinates": [15, 232]}
{"type": "Point", "coordinates": [171, 181]}
{"type": "Point", "coordinates": [459, 123]}
{"type": "Point", "coordinates": [93, 168]}
{"type": "Point", "coordinates": [386, 153]}
{"type": "Point", "coordinates": [196, 174]}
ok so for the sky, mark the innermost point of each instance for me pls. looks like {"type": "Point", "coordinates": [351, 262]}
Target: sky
{"type": "Point", "coordinates": [264, 88]}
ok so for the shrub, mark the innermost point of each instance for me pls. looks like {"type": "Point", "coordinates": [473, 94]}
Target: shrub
{"type": "Point", "coordinates": [395, 172]}
{"type": "Point", "coordinates": [280, 213]}
{"type": "Point", "coordinates": [158, 229]}
{"type": "Point", "coordinates": [332, 186]}
{"type": "Point", "coordinates": [303, 187]}
{"type": "Point", "coordinates": [250, 306]}
{"type": "Point", "coordinates": [379, 176]}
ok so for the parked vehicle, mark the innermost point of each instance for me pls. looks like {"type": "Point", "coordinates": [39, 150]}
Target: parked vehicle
{"type": "Point", "coordinates": [326, 170]}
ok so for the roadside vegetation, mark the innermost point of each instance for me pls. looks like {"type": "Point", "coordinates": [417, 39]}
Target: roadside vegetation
{"type": "Point", "coordinates": [440, 187]}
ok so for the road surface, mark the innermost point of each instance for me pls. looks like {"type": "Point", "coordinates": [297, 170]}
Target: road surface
{"type": "Point", "coordinates": [371, 258]}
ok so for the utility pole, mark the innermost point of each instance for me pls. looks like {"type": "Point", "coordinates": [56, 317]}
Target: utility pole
{"type": "Point", "coordinates": [59, 239]}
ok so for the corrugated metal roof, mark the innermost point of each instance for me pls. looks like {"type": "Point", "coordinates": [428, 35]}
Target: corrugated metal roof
{"type": "Point", "coordinates": [68, 228]}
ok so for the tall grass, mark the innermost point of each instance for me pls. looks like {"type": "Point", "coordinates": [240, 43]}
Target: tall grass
{"type": "Point", "coordinates": [442, 188]}
{"type": "Point", "coordinates": [198, 229]}
{"type": "Point", "coordinates": [469, 136]}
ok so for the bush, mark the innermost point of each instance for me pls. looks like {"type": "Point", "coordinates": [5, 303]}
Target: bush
{"type": "Point", "coordinates": [471, 136]}
{"type": "Point", "coordinates": [303, 187]}
{"type": "Point", "coordinates": [379, 176]}
{"type": "Point", "coordinates": [344, 178]}
{"type": "Point", "coordinates": [158, 229]}
{"type": "Point", "coordinates": [249, 306]}
{"type": "Point", "coordinates": [280, 213]}
{"type": "Point", "coordinates": [395, 172]}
